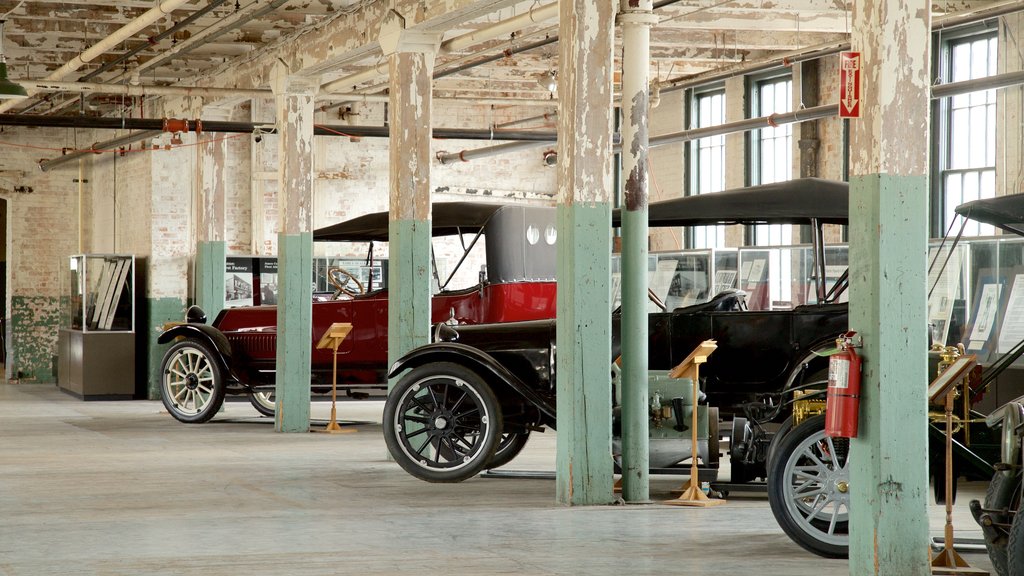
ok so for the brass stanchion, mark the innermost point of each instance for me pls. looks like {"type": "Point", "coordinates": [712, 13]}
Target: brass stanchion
{"type": "Point", "coordinates": [332, 339]}
{"type": "Point", "coordinates": [690, 368]}
{"type": "Point", "coordinates": [943, 388]}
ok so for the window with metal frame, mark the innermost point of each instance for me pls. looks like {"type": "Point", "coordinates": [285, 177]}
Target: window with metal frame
{"type": "Point", "coordinates": [772, 161]}
{"type": "Point", "coordinates": [772, 148]}
{"type": "Point", "coordinates": [967, 127]}
{"type": "Point", "coordinates": [707, 161]}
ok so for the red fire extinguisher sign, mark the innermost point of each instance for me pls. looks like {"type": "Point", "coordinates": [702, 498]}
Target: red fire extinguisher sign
{"type": "Point", "coordinates": [849, 84]}
{"type": "Point", "coordinates": [842, 401]}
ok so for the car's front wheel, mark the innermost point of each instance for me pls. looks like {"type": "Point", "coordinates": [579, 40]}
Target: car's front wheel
{"type": "Point", "coordinates": [809, 488]}
{"type": "Point", "coordinates": [191, 382]}
{"type": "Point", "coordinates": [442, 423]}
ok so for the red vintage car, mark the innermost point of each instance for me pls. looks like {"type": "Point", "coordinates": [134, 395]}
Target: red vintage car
{"type": "Point", "coordinates": [237, 353]}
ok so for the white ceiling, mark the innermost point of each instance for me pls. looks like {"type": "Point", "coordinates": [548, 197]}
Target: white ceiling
{"type": "Point", "coordinates": [331, 39]}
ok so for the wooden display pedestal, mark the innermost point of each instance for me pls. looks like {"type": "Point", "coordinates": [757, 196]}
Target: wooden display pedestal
{"type": "Point", "coordinates": [96, 365]}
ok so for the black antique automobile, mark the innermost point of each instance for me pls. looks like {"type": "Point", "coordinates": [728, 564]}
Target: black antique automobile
{"type": "Point", "coordinates": [237, 353]}
{"type": "Point", "coordinates": [809, 473]}
{"type": "Point", "coordinates": [1000, 515]}
{"type": "Point", "coordinates": [469, 400]}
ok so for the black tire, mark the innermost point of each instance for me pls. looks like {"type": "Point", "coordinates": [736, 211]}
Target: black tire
{"type": "Point", "coordinates": [1015, 545]}
{"type": "Point", "coordinates": [1002, 496]}
{"type": "Point", "coordinates": [509, 446]}
{"type": "Point", "coordinates": [741, 472]}
{"type": "Point", "coordinates": [818, 525]}
{"type": "Point", "coordinates": [714, 440]}
{"type": "Point", "coordinates": [192, 382]}
{"type": "Point", "coordinates": [264, 401]}
{"type": "Point", "coordinates": [451, 410]}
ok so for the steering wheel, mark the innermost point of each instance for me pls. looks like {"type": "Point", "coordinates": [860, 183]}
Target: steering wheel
{"type": "Point", "coordinates": [344, 282]}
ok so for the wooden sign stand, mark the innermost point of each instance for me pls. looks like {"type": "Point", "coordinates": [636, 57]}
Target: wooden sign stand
{"type": "Point", "coordinates": [332, 339]}
{"type": "Point", "coordinates": [690, 368]}
{"type": "Point", "coordinates": [943, 388]}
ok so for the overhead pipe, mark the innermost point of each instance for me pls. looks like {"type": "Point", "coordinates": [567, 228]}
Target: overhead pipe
{"type": "Point", "coordinates": [547, 117]}
{"type": "Point", "coordinates": [140, 90]}
{"type": "Point", "coordinates": [467, 155]}
{"type": "Point", "coordinates": [210, 34]}
{"type": "Point", "coordinates": [987, 83]}
{"type": "Point", "coordinates": [822, 50]}
{"type": "Point", "coordinates": [154, 39]}
{"type": "Point", "coordinates": [442, 73]}
{"type": "Point", "coordinates": [97, 148]}
{"type": "Point", "coordinates": [970, 17]}
{"type": "Point", "coordinates": [127, 31]}
{"type": "Point", "coordinates": [499, 29]}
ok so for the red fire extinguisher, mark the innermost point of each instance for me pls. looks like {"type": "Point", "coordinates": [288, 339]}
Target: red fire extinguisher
{"type": "Point", "coordinates": [843, 399]}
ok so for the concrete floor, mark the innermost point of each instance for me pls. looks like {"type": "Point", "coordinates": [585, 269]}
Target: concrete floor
{"type": "Point", "coordinates": [121, 488]}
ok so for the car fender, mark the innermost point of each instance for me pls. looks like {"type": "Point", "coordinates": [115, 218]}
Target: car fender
{"type": "Point", "coordinates": [812, 353]}
{"type": "Point", "coordinates": [204, 333]}
{"type": "Point", "coordinates": [476, 360]}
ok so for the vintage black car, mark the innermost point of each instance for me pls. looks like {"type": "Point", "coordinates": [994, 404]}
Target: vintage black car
{"type": "Point", "coordinates": [469, 400]}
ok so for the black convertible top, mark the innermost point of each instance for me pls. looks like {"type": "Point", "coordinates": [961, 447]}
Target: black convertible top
{"type": "Point", "coordinates": [447, 219]}
{"type": "Point", "coordinates": [1006, 212]}
{"type": "Point", "coordinates": [791, 202]}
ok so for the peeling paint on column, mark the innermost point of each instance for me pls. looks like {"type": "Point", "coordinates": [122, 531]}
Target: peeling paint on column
{"type": "Point", "coordinates": [888, 294]}
{"type": "Point", "coordinates": [210, 221]}
{"type": "Point", "coordinates": [635, 188]}
{"type": "Point", "coordinates": [410, 135]}
{"type": "Point", "coordinates": [296, 162]}
{"type": "Point", "coordinates": [583, 469]}
{"type": "Point", "coordinates": [34, 324]}
{"type": "Point", "coordinates": [409, 154]}
{"type": "Point", "coordinates": [295, 252]}
{"type": "Point", "coordinates": [896, 104]}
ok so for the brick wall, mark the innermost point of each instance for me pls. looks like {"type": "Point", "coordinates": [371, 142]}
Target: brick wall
{"type": "Point", "coordinates": [42, 233]}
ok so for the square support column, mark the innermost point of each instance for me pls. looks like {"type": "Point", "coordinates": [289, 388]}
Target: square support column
{"type": "Point", "coordinates": [888, 260]}
{"type": "Point", "coordinates": [294, 99]}
{"type": "Point", "coordinates": [411, 64]}
{"type": "Point", "coordinates": [211, 247]}
{"type": "Point", "coordinates": [583, 340]}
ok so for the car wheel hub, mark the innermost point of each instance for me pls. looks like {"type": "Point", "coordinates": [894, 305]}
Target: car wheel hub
{"type": "Point", "coordinates": [440, 423]}
{"type": "Point", "coordinates": [191, 381]}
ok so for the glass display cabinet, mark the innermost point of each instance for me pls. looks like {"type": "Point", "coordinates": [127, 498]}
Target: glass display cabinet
{"type": "Point", "coordinates": [96, 342]}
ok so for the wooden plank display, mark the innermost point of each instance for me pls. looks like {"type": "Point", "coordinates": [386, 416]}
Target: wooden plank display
{"type": "Point", "coordinates": [108, 293]}
{"type": "Point", "coordinates": [96, 298]}
{"type": "Point", "coordinates": [122, 279]}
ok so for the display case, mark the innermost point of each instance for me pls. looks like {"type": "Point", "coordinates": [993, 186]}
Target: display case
{"type": "Point", "coordinates": [96, 342]}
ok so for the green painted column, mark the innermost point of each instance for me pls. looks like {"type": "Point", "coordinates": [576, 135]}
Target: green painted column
{"type": "Point", "coordinates": [210, 262]}
{"type": "Point", "coordinates": [636, 19]}
{"type": "Point", "coordinates": [888, 259]}
{"type": "Point", "coordinates": [583, 363]}
{"type": "Point", "coordinates": [211, 222]}
{"type": "Point", "coordinates": [408, 287]}
{"type": "Point", "coordinates": [158, 311]}
{"type": "Point", "coordinates": [411, 63]}
{"type": "Point", "coordinates": [294, 104]}
{"type": "Point", "coordinates": [294, 331]}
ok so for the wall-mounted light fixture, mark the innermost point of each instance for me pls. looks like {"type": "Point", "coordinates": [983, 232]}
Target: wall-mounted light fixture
{"type": "Point", "coordinates": [8, 90]}
{"type": "Point", "coordinates": [548, 80]}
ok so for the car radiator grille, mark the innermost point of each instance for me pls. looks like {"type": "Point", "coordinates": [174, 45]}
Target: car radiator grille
{"type": "Point", "coordinates": [254, 344]}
